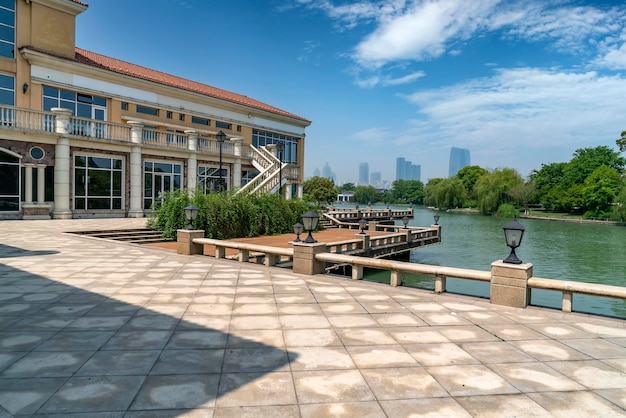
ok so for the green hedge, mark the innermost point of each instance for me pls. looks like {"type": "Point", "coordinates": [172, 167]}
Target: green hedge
{"type": "Point", "coordinates": [224, 216]}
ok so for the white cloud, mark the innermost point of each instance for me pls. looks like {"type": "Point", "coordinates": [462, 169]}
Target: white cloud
{"type": "Point", "coordinates": [404, 79]}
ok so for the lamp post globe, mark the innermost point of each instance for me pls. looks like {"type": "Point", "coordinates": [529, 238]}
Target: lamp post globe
{"type": "Point", "coordinates": [191, 213]}
{"type": "Point", "coordinates": [513, 234]}
{"type": "Point", "coordinates": [309, 220]}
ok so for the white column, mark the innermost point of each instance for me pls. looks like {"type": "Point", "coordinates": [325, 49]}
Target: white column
{"type": "Point", "coordinates": [136, 131]}
{"type": "Point", "coordinates": [41, 183]}
{"type": "Point", "coordinates": [28, 182]}
{"type": "Point", "coordinates": [288, 194]}
{"type": "Point", "coordinates": [192, 161]}
{"type": "Point", "coordinates": [237, 148]}
{"type": "Point", "coordinates": [300, 187]}
{"type": "Point", "coordinates": [62, 165]}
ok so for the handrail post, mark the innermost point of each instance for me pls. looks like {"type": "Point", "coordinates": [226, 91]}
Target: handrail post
{"type": "Point", "coordinates": [357, 272]}
{"type": "Point", "coordinates": [304, 261]}
{"type": "Point", "coordinates": [220, 251]}
{"type": "Point", "coordinates": [244, 256]}
{"type": "Point", "coordinates": [568, 301]}
{"type": "Point", "coordinates": [396, 278]}
{"type": "Point", "coordinates": [509, 284]}
{"type": "Point", "coordinates": [440, 284]}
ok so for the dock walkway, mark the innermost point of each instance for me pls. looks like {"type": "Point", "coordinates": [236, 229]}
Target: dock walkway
{"type": "Point", "coordinates": [98, 328]}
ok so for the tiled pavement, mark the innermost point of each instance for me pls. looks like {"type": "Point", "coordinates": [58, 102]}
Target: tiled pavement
{"type": "Point", "coordinates": [96, 328]}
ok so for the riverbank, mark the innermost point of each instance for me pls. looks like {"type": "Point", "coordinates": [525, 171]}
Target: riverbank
{"type": "Point", "coordinates": [557, 217]}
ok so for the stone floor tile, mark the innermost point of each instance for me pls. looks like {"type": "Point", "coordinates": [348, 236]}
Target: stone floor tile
{"type": "Point", "coordinates": [299, 309]}
{"type": "Point", "coordinates": [353, 321]}
{"type": "Point", "coordinates": [94, 394]}
{"type": "Point", "coordinates": [559, 330]}
{"type": "Point", "coordinates": [75, 341]}
{"type": "Point", "coordinates": [47, 364]}
{"type": "Point", "coordinates": [346, 409]}
{"type": "Point", "coordinates": [255, 389]}
{"type": "Point", "coordinates": [311, 337]}
{"type": "Point", "coordinates": [342, 308]}
{"type": "Point", "coordinates": [183, 362]}
{"type": "Point", "coordinates": [600, 327]}
{"type": "Point", "coordinates": [209, 309]}
{"type": "Point", "coordinates": [420, 335]}
{"type": "Point", "coordinates": [244, 322]}
{"type": "Point", "coordinates": [138, 340]}
{"type": "Point", "coordinates": [255, 290]}
{"type": "Point", "coordinates": [203, 323]}
{"type": "Point", "coordinates": [171, 413]}
{"type": "Point", "coordinates": [385, 306]}
{"type": "Point", "coordinates": [255, 359]}
{"type": "Point", "coordinates": [320, 358]}
{"type": "Point", "coordinates": [549, 350]}
{"type": "Point", "coordinates": [255, 309]}
{"type": "Point", "coordinates": [208, 299]}
{"type": "Point", "coordinates": [443, 318]}
{"type": "Point", "coordinates": [496, 352]}
{"type": "Point", "coordinates": [254, 338]}
{"type": "Point", "coordinates": [171, 309]}
{"type": "Point", "coordinates": [402, 383]}
{"type": "Point", "coordinates": [424, 307]}
{"type": "Point", "coordinates": [22, 340]}
{"type": "Point", "coordinates": [617, 396]}
{"type": "Point", "coordinates": [427, 408]}
{"type": "Point", "coordinates": [498, 406]}
{"type": "Point", "coordinates": [372, 336]}
{"type": "Point", "coordinates": [576, 404]}
{"type": "Point", "coordinates": [196, 340]}
{"type": "Point", "coordinates": [442, 354]}
{"type": "Point", "coordinates": [592, 374]}
{"type": "Point", "coordinates": [470, 380]}
{"type": "Point", "coordinates": [535, 377]}
{"type": "Point", "coordinates": [376, 356]}
{"type": "Point", "coordinates": [177, 392]}
{"type": "Point", "coordinates": [335, 386]}
{"type": "Point", "coordinates": [398, 320]}
{"type": "Point", "coordinates": [466, 333]}
{"type": "Point", "coordinates": [99, 323]}
{"type": "Point", "coordinates": [25, 396]}
{"type": "Point", "coordinates": [274, 411]}
{"type": "Point", "coordinates": [295, 299]}
{"type": "Point", "coordinates": [513, 332]}
{"type": "Point", "coordinates": [334, 297]}
{"type": "Point", "coordinates": [119, 363]}
{"type": "Point", "coordinates": [304, 321]}
{"type": "Point", "coordinates": [594, 348]}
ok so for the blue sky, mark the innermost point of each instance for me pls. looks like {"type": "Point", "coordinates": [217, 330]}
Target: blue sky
{"type": "Point", "coordinates": [518, 83]}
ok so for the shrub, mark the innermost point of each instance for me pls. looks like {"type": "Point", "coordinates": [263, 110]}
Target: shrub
{"type": "Point", "coordinates": [224, 216]}
{"type": "Point", "coordinates": [506, 210]}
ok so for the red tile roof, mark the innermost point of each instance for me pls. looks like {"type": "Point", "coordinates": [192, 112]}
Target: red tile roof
{"type": "Point", "coordinates": [132, 70]}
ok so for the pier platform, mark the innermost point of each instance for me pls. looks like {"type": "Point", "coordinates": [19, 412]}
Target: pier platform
{"type": "Point", "coordinates": [99, 328]}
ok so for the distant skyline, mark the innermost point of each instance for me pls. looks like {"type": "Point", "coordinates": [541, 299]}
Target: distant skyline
{"type": "Point", "coordinates": [519, 82]}
{"type": "Point", "coordinates": [459, 158]}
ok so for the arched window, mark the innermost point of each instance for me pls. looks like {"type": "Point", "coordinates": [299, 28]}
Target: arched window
{"type": "Point", "coordinates": [10, 165]}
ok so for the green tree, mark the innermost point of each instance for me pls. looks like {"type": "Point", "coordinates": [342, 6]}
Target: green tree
{"type": "Point", "coordinates": [621, 142]}
{"type": "Point", "coordinates": [523, 194]}
{"type": "Point", "coordinates": [346, 187]}
{"type": "Point", "coordinates": [619, 208]}
{"type": "Point", "coordinates": [429, 191]}
{"type": "Point", "coordinates": [600, 190]}
{"type": "Point", "coordinates": [447, 193]}
{"type": "Point", "coordinates": [407, 191]}
{"type": "Point", "coordinates": [586, 160]}
{"type": "Point", "coordinates": [469, 175]}
{"type": "Point", "coordinates": [365, 194]}
{"type": "Point", "coordinates": [319, 189]}
{"type": "Point", "coordinates": [547, 178]}
{"type": "Point", "coordinates": [493, 189]}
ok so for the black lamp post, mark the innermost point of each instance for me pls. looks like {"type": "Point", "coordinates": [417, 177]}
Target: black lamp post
{"type": "Point", "coordinates": [362, 225]}
{"type": "Point", "coordinates": [405, 221]}
{"type": "Point", "coordinates": [436, 218]}
{"type": "Point", "coordinates": [279, 148]}
{"type": "Point", "coordinates": [310, 220]}
{"type": "Point", "coordinates": [513, 233]}
{"type": "Point", "coordinates": [191, 213]}
{"type": "Point", "coordinates": [297, 229]}
{"type": "Point", "coordinates": [221, 137]}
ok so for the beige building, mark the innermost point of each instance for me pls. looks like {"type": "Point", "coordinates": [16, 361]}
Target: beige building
{"type": "Point", "coordinates": [83, 134]}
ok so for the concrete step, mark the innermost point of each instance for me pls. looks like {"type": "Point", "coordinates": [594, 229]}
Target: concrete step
{"type": "Point", "coordinates": [135, 236]}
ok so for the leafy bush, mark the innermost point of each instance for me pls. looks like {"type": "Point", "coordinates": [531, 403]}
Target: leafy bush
{"type": "Point", "coordinates": [224, 216]}
{"type": "Point", "coordinates": [506, 210]}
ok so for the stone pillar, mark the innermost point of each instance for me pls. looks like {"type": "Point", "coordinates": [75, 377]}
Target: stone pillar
{"type": "Point", "coordinates": [304, 261]}
{"type": "Point", "coordinates": [192, 161]}
{"type": "Point", "coordinates": [509, 284]}
{"type": "Point", "coordinates": [28, 182]}
{"type": "Point", "coordinates": [288, 192]}
{"type": "Point", "coordinates": [184, 241]}
{"type": "Point", "coordinates": [371, 225]}
{"type": "Point", "coordinates": [237, 150]}
{"type": "Point", "coordinates": [41, 183]}
{"type": "Point", "coordinates": [300, 191]}
{"type": "Point", "coordinates": [366, 240]}
{"type": "Point", "coordinates": [136, 172]}
{"type": "Point", "coordinates": [395, 279]}
{"type": "Point", "coordinates": [62, 164]}
{"type": "Point", "coordinates": [438, 230]}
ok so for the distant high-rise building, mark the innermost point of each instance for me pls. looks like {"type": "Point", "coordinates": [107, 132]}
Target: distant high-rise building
{"type": "Point", "coordinates": [328, 173]}
{"type": "Point", "coordinates": [406, 170]}
{"type": "Point", "coordinates": [364, 174]}
{"type": "Point", "coordinates": [316, 172]}
{"type": "Point", "coordinates": [459, 158]}
{"type": "Point", "coordinates": [375, 177]}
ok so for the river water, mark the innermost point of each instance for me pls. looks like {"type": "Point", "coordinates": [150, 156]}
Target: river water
{"type": "Point", "coordinates": [591, 253]}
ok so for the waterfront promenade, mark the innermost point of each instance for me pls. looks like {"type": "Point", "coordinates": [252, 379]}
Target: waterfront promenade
{"type": "Point", "coordinates": [96, 328]}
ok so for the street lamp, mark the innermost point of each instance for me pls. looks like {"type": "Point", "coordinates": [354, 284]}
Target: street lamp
{"type": "Point", "coordinates": [297, 229]}
{"type": "Point", "coordinates": [405, 221]}
{"type": "Point", "coordinates": [436, 218]}
{"type": "Point", "coordinates": [513, 233]}
{"type": "Point", "coordinates": [221, 137]}
{"type": "Point", "coordinates": [191, 213]}
{"type": "Point", "coordinates": [279, 148]}
{"type": "Point", "coordinates": [310, 220]}
{"type": "Point", "coordinates": [362, 225]}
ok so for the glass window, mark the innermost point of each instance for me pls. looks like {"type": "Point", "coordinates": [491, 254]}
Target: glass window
{"type": "Point", "coordinates": [200, 121]}
{"type": "Point", "coordinates": [124, 106]}
{"type": "Point", "coordinates": [160, 178]}
{"type": "Point", "coordinates": [290, 153]}
{"type": "Point", "coordinates": [7, 90]}
{"type": "Point", "coordinates": [7, 28]}
{"type": "Point", "coordinates": [81, 105]}
{"type": "Point", "coordinates": [223, 125]}
{"type": "Point", "coordinates": [10, 185]}
{"type": "Point", "coordinates": [98, 182]}
{"type": "Point", "coordinates": [147, 110]}
{"type": "Point", "coordinates": [168, 114]}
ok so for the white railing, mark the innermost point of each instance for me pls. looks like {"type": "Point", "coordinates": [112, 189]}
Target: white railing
{"type": "Point", "coordinates": [269, 255]}
{"type": "Point", "coordinates": [95, 129]}
{"type": "Point", "coordinates": [164, 139]}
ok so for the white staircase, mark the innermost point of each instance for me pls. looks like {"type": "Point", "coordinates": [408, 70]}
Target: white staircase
{"type": "Point", "coordinates": [269, 167]}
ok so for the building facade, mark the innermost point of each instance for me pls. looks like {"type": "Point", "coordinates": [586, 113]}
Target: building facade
{"type": "Point", "coordinates": [459, 158]}
{"type": "Point", "coordinates": [83, 134]}
{"type": "Point", "coordinates": [364, 174]}
{"type": "Point", "coordinates": [406, 170]}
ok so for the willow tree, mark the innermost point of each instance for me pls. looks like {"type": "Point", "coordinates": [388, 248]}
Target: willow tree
{"type": "Point", "coordinates": [493, 188]}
